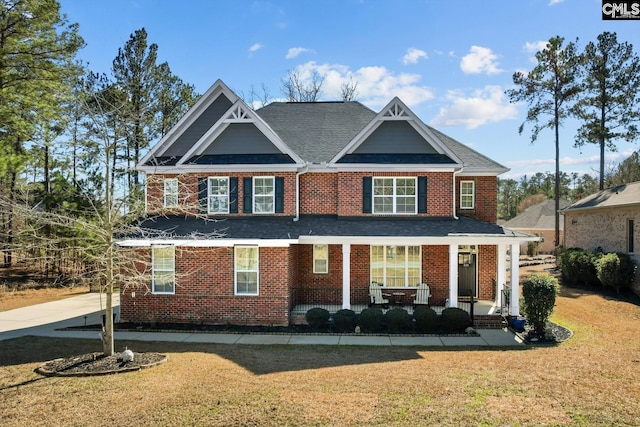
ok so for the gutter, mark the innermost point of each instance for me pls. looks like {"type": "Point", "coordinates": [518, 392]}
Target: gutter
{"type": "Point", "coordinates": [304, 170]}
{"type": "Point", "coordinates": [456, 172]}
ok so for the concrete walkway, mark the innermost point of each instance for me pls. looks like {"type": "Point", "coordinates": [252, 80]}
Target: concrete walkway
{"type": "Point", "coordinates": [47, 319]}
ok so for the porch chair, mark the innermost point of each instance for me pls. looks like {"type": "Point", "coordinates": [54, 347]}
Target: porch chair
{"type": "Point", "coordinates": [376, 296]}
{"type": "Point", "coordinates": [421, 297]}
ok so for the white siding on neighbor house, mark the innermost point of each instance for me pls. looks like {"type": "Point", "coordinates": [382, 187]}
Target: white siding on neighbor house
{"type": "Point", "coordinates": [602, 228]}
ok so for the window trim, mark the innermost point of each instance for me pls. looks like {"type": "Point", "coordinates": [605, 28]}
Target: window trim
{"type": "Point", "coordinates": [154, 269]}
{"type": "Point", "coordinates": [317, 258]}
{"type": "Point", "coordinates": [210, 196]}
{"type": "Point", "coordinates": [167, 194]}
{"type": "Point", "coordinates": [406, 265]}
{"type": "Point", "coordinates": [273, 195]}
{"type": "Point", "coordinates": [236, 271]}
{"type": "Point", "coordinates": [464, 195]}
{"type": "Point", "coordinates": [394, 196]}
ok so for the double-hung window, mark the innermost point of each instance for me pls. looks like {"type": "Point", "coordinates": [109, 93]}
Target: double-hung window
{"type": "Point", "coordinates": [218, 195]}
{"type": "Point", "coordinates": [396, 266]}
{"type": "Point", "coordinates": [246, 270]}
{"type": "Point", "coordinates": [170, 192]}
{"type": "Point", "coordinates": [264, 194]}
{"type": "Point", "coordinates": [467, 196]}
{"type": "Point", "coordinates": [394, 195]}
{"type": "Point", "coordinates": [163, 270]}
{"type": "Point", "coordinates": [320, 259]}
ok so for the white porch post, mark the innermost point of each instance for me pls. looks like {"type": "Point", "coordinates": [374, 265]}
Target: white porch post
{"type": "Point", "coordinates": [453, 275]}
{"type": "Point", "coordinates": [502, 272]}
{"type": "Point", "coordinates": [346, 275]}
{"type": "Point", "coordinates": [515, 279]}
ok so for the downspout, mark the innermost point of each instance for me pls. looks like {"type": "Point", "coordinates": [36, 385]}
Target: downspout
{"type": "Point", "coordinates": [454, 192]}
{"type": "Point", "coordinates": [304, 170]}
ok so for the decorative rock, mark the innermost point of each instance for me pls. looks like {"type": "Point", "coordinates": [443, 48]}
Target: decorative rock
{"type": "Point", "coordinates": [357, 330]}
{"type": "Point", "coordinates": [470, 331]}
{"type": "Point", "coordinates": [127, 356]}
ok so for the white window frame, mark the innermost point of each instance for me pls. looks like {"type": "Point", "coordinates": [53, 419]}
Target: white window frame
{"type": "Point", "coordinates": [170, 193]}
{"type": "Point", "coordinates": [237, 269]}
{"type": "Point", "coordinates": [467, 196]}
{"type": "Point", "coordinates": [263, 198]}
{"type": "Point", "coordinates": [217, 196]}
{"type": "Point", "coordinates": [170, 268]}
{"type": "Point", "coordinates": [320, 253]}
{"type": "Point", "coordinates": [395, 197]}
{"type": "Point", "coordinates": [387, 251]}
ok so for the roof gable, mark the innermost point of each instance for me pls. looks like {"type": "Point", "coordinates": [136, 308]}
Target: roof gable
{"type": "Point", "coordinates": [540, 216]}
{"type": "Point", "coordinates": [619, 196]}
{"type": "Point", "coordinates": [396, 135]}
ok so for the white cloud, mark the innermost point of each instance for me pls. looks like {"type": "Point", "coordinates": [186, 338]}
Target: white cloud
{"type": "Point", "coordinates": [535, 47]}
{"type": "Point", "coordinates": [413, 55]}
{"type": "Point", "coordinates": [483, 106]}
{"type": "Point", "coordinates": [480, 60]}
{"type": "Point", "coordinates": [256, 47]}
{"type": "Point", "coordinates": [376, 84]}
{"type": "Point", "coordinates": [295, 51]}
{"type": "Point", "coordinates": [554, 2]}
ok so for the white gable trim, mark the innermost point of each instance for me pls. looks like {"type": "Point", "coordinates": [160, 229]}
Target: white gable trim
{"type": "Point", "coordinates": [209, 97]}
{"type": "Point", "coordinates": [239, 112]}
{"type": "Point", "coordinates": [398, 111]}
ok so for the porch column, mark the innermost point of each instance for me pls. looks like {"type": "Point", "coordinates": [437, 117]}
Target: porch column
{"type": "Point", "coordinates": [501, 277]}
{"type": "Point", "coordinates": [346, 275]}
{"type": "Point", "coordinates": [453, 275]}
{"type": "Point", "coordinates": [515, 279]}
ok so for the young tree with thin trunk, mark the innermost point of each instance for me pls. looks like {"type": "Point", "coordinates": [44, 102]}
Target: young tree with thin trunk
{"type": "Point", "coordinates": [549, 90]}
{"type": "Point", "coordinates": [609, 103]}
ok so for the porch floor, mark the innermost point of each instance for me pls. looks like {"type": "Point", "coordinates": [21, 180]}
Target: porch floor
{"type": "Point", "coordinates": [481, 308]}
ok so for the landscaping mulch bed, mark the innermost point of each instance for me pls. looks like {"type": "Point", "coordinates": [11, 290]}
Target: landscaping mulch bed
{"type": "Point", "coordinates": [98, 364]}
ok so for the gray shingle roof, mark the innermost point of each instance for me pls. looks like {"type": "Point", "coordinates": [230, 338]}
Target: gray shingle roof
{"type": "Point", "coordinates": [316, 131]}
{"type": "Point", "coordinates": [469, 157]}
{"type": "Point", "coordinates": [539, 217]}
{"type": "Point", "coordinates": [285, 228]}
{"type": "Point", "coordinates": [622, 195]}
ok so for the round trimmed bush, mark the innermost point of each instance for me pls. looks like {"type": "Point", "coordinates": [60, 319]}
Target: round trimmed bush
{"type": "Point", "coordinates": [345, 320]}
{"type": "Point", "coordinates": [615, 270]}
{"type": "Point", "coordinates": [398, 320]}
{"type": "Point", "coordinates": [539, 297]}
{"type": "Point", "coordinates": [455, 319]}
{"type": "Point", "coordinates": [371, 319]}
{"type": "Point", "coordinates": [426, 319]}
{"type": "Point", "coordinates": [317, 317]}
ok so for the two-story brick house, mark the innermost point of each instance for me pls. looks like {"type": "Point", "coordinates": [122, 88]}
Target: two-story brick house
{"type": "Point", "coordinates": [263, 214]}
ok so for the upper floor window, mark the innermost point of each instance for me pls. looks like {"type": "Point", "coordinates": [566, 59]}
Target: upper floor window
{"type": "Point", "coordinates": [320, 259]}
{"type": "Point", "coordinates": [218, 195]}
{"type": "Point", "coordinates": [163, 270]}
{"type": "Point", "coordinates": [264, 194]}
{"type": "Point", "coordinates": [170, 192]}
{"type": "Point", "coordinates": [467, 194]}
{"type": "Point", "coordinates": [246, 270]}
{"type": "Point", "coordinates": [394, 195]}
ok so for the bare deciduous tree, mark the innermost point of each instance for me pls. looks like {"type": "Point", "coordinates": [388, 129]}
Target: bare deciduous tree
{"type": "Point", "coordinates": [299, 89]}
{"type": "Point", "coordinates": [349, 90]}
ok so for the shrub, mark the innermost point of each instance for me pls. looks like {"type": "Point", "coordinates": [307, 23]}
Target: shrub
{"type": "Point", "coordinates": [371, 319]}
{"type": "Point", "coordinates": [398, 320]}
{"type": "Point", "coordinates": [539, 297]}
{"type": "Point", "coordinates": [455, 319]}
{"type": "Point", "coordinates": [317, 317]}
{"type": "Point", "coordinates": [615, 270]}
{"type": "Point", "coordinates": [345, 320]}
{"type": "Point", "coordinates": [426, 319]}
{"type": "Point", "coordinates": [578, 266]}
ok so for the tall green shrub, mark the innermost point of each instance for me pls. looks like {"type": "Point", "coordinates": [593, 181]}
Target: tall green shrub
{"type": "Point", "coordinates": [615, 270]}
{"type": "Point", "coordinates": [539, 297]}
{"type": "Point", "coordinates": [578, 266]}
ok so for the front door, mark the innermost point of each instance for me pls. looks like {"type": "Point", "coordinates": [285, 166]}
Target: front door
{"type": "Point", "coordinates": [467, 274]}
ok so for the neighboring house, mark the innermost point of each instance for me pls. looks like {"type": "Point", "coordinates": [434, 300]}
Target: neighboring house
{"type": "Point", "coordinates": [539, 220]}
{"type": "Point", "coordinates": [253, 217]}
{"type": "Point", "coordinates": [608, 219]}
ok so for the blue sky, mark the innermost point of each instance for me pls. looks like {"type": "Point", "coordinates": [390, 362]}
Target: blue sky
{"type": "Point", "coordinates": [449, 61]}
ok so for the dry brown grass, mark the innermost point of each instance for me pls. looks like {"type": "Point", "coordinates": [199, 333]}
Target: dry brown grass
{"type": "Point", "coordinates": [23, 296]}
{"type": "Point", "coordinates": [592, 379]}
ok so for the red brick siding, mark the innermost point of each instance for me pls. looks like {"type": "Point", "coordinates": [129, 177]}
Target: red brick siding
{"type": "Point", "coordinates": [486, 198]}
{"type": "Point", "coordinates": [188, 191]}
{"type": "Point", "coordinates": [205, 291]}
{"type": "Point", "coordinates": [487, 272]}
{"type": "Point", "coordinates": [319, 194]}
